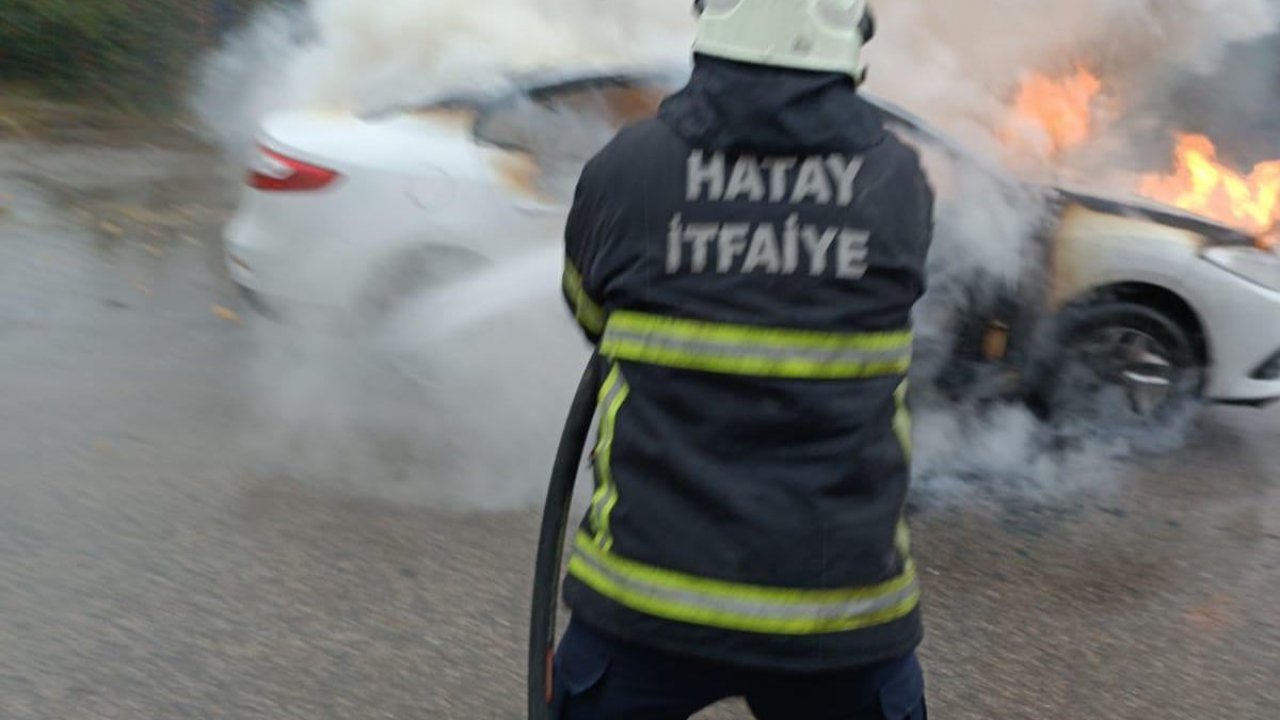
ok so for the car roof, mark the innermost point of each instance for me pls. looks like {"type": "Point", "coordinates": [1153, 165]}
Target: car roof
{"type": "Point", "coordinates": [552, 80]}
{"type": "Point", "coordinates": [545, 82]}
{"type": "Point", "coordinates": [538, 83]}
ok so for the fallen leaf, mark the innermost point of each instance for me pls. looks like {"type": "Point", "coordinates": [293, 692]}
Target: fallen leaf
{"type": "Point", "coordinates": [225, 313]}
{"type": "Point", "coordinates": [190, 239]}
{"type": "Point", "coordinates": [111, 229]}
{"type": "Point", "coordinates": [1214, 617]}
{"type": "Point", "coordinates": [152, 249]}
{"type": "Point", "coordinates": [168, 218]}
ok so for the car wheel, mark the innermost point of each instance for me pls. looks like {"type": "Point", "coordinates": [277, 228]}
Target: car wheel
{"type": "Point", "coordinates": [1120, 366]}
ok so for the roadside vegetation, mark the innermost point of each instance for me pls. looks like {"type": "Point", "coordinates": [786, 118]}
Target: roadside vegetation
{"type": "Point", "coordinates": [127, 55]}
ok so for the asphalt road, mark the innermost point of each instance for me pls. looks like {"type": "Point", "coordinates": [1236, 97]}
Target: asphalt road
{"type": "Point", "coordinates": [149, 570]}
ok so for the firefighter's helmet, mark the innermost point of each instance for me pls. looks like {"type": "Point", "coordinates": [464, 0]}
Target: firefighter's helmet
{"type": "Point", "coordinates": [819, 35]}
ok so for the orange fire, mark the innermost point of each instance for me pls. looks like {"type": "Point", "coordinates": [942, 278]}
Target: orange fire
{"type": "Point", "coordinates": [1202, 185]}
{"type": "Point", "coordinates": [1062, 109]}
{"type": "Point", "coordinates": [1053, 115]}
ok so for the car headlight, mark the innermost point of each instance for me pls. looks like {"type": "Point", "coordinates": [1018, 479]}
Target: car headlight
{"type": "Point", "coordinates": [1253, 264]}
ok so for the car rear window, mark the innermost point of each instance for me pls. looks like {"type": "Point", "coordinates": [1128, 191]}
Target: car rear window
{"type": "Point", "coordinates": [564, 126]}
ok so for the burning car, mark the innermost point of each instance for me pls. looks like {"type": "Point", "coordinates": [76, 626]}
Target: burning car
{"type": "Point", "coordinates": [1125, 299]}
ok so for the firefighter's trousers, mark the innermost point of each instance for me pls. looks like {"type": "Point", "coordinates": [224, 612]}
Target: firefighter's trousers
{"type": "Point", "coordinates": [600, 678]}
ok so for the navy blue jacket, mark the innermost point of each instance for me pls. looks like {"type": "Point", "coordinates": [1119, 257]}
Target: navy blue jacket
{"type": "Point", "coordinates": [748, 261]}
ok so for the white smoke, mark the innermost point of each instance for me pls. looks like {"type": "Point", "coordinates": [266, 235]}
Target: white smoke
{"type": "Point", "coordinates": [466, 412]}
{"type": "Point", "coordinates": [1001, 452]}
{"type": "Point", "coordinates": [396, 50]}
{"type": "Point", "coordinates": [959, 63]}
{"type": "Point", "coordinates": [363, 56]}
{"type": "Point", "coordinates": [250, 76]}
{"type": "Point", "coordinates": [456, 401]}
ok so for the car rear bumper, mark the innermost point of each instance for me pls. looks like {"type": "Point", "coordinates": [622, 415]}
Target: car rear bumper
{"type": "Point", "coordinates": [264, 298]}
{"type": "Point", "coordinates": [253, 262]}
{"type": "Point", "coordinates": [274, 275]}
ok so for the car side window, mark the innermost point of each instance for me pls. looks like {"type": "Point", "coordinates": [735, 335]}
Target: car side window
{"type": "Point", "coordinates": [562, 128]}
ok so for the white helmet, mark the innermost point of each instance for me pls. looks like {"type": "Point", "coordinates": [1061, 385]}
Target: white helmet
{"type": "Point", "coordinates": [820, 35]}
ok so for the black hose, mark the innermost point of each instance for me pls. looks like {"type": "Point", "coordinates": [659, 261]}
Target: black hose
{"type": "Point", "coordinates": [555, 523]}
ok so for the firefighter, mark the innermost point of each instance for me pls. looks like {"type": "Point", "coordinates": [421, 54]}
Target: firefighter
{"type": "Point", "coordinates": [746, 264]}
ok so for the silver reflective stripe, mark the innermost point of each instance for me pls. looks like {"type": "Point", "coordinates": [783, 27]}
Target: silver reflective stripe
{"type": "Point", "coordinates": [753, 350]}
{"type": "Point", "coordinates": [821, 612]}
{"type": "Point", "coordinates": [728, 350]}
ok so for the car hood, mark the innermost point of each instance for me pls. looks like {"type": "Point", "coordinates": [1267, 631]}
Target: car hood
{"type": "Point", "coordinates": [1131, 207]}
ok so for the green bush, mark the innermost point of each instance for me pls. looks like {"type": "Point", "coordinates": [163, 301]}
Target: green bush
{"type": "Point", "coordinates": [132, 54]}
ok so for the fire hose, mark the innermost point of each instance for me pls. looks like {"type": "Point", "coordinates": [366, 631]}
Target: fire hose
{"type": "Point", "coordinates": [555, 523]}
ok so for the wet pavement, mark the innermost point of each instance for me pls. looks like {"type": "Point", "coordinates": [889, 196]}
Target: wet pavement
{"type": "Point", "coordinates": [149, 570]}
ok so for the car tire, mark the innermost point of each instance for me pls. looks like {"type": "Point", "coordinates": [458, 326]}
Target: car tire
{"type": "Point", "coordinates": [1115, 367]}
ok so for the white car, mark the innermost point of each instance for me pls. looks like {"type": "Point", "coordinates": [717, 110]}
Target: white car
{"type": "Point", "coordinates": [360, 213]}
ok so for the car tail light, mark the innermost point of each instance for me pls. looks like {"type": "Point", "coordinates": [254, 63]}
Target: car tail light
{"type": "Point", "coordinates": [273, 172]}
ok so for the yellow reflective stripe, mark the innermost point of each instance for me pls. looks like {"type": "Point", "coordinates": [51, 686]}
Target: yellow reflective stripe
{"type": "Point", "coordinates": [902, 538]}
{"type": "Point", "coordinates": [746, 608]}
{"type": "Point", "coordinates": [747, 350]}
{"type": "Point", "coordinates": [902, 419]}
{"type": "Point", "coordinates": [782, 339]}
{"type": "Point", "coordinates": [601, 490]}
{"type": "Point", "coordinates": [613, 394]}
{"type": "Point", "coordinates": [587, 312]}
{"type": "Point", "coordinates": [758, 367]}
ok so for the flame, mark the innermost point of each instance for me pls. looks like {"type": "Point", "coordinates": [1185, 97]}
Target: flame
{"type": "Point", "coordinates": [1202, 185]}
{"type": "Point", "coordinates": [1061, 109]}
{"type": "Point", "coordinates": [1054, 115]}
